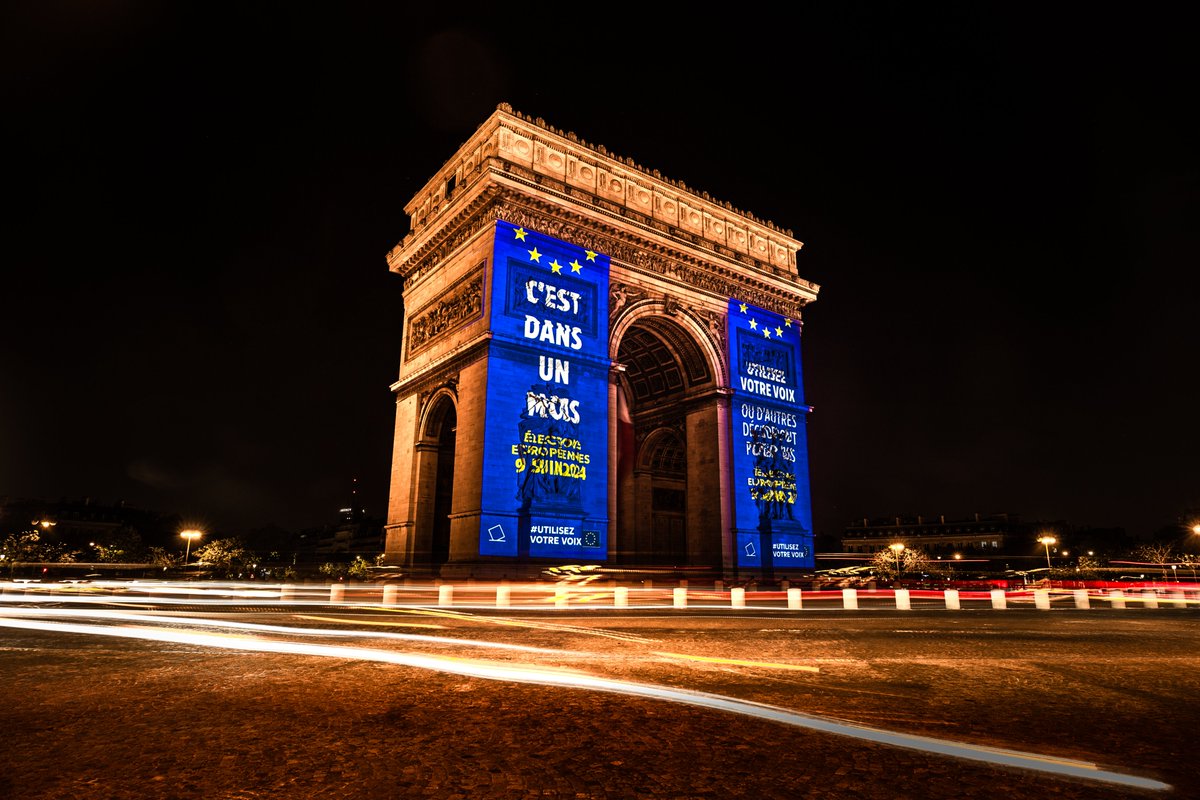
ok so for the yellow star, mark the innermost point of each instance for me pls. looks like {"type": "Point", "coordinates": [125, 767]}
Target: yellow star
{"type": "Point", "coordinates": [591, 255]}
{"type": "Point", "coordinates": [555, 267]}
{"type": "Point", "coordinates": [754, 324]}
{"type": "Point", "coordinates": [788, 322]}
{"type": "Point", "coordinates": [534, 255]}
{"type": "Point", "coordinates": [743, 307]}
{"type": "Point", "coordinates": [767, 332]}
{"type": "Point", "coordinates": [575, 265]}
{"type": "Point", "coordinates": [779, 332]}
{"type": "Point", "coordinates": [520, 233]}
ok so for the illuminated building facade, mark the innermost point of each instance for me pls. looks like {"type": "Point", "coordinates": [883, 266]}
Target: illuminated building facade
{"type": "Point", "coordinates": [988, 535]}
{"type": "Point", "coordinates": [600, 365]}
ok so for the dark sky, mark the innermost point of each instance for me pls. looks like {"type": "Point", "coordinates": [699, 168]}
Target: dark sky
{"type": "Point", "coordinates": [999, 204]}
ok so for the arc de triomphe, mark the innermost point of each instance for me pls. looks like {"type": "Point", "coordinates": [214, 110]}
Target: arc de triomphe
{"type": "Point", "coordinates": [600, 365]}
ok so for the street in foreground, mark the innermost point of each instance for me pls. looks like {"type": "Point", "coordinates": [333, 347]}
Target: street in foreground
{"type": "Point", "coordinates": [106, 699]}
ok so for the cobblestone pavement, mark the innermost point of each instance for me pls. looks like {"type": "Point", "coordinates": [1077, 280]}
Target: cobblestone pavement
{"type": "Point", "coordinates": [116, 719]}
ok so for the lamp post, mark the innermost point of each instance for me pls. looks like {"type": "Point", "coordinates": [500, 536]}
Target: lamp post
{"type": "Point", "coordinates": [189, 535]}
{"type": "Point", "coordinates": [898, 548]}
{"type": "Point", "coordinates": [1047, 541]}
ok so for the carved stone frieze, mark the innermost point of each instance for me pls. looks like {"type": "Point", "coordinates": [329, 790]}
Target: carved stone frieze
{"type": "Point", "coordinates": [460, 305]}
{"type": "Point", "coordinates": [620, 245]}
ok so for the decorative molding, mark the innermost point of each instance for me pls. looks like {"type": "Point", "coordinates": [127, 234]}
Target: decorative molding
{"type": "Point", "coordinates": [622, 245]}
{"type": "Point", "coordinates": [463, 304]}
{"type": "Point", "coordinates": [620, 296]}
{"type": "Point", "coordinates": [445, 374]}
{"type": "Point", "coordinates": [619, 247]}
{"type": "Point", "coordinates": [715, 325]}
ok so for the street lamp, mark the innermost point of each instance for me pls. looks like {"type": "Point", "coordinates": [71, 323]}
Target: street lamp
{"type": "Point", "coordinates": [1047, 541]}
{"type": "Point", "coordinates": [189, 535]}
{"type": "Point", "coordinates": [897, 548]}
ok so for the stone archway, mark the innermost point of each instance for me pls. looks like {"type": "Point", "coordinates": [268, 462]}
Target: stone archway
{"type": "Point", "coordinates": [528, 252]}
{"type": "Point", "coordinates": [434, 457]}
{"type": "Point", "coordinates": [668, 484]}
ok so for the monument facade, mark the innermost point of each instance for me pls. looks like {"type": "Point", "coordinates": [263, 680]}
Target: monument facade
{"type": "Point", "coordinates": [600, 365]}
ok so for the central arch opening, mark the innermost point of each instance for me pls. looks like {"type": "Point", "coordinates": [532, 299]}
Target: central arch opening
{"type": "Point", "coordinates": [666, 438]}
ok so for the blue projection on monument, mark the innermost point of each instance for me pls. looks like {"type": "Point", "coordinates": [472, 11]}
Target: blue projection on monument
{"type": "Point", "coordinates": [771, 505]}
{"type": "Point", "coordinates": [545, 447]}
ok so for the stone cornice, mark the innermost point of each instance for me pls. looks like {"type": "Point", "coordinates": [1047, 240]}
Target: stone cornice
{"type": "Point", "coordinates": [511, 148]}
{"type": "Point", "coordinates": [434, 375]}
{"type": "Point", "coordinates": [627, 246]}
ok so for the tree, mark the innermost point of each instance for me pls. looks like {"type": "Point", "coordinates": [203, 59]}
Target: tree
{"type": "Point", "coordinates": [228, 555]}
{"type": "Point", "coordinates": [1161, 553]}
{"type": "Point", "coordinates": [1190, 561]}
{"type": "Point", "coordinates": [123, 546]}
{"type": "Point", "coordinates": [1088, 567]}
{"type": "Point", "coordinates": [161, 557]}
{"type": "Point", "coordinates": [29, 546]}
{"type": "Point", "coordinates": [891, 567]}
{"type": "Point", "coordinates": [359, 568]}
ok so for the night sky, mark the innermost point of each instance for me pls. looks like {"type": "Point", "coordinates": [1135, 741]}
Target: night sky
{"type": "Point", "coordinates": [999, 204]}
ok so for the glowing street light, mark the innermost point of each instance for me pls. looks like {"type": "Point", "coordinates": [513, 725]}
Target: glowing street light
{"type": "Point", "coordinates": [898, 548]}
{"type": "Point", "coordinates": [1047, 541]}
{"type": "Point", "coordinates": [189, 535]}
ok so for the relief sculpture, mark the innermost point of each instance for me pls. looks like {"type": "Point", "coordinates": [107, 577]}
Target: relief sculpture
{"type": "Point", "coordinates": [464, 304]}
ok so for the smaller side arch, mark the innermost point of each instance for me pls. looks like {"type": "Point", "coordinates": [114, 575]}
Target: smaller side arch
{"type": "Point", "coordinates": [433, 477]}
{"type": "Point", "coordinates": [433, 413]}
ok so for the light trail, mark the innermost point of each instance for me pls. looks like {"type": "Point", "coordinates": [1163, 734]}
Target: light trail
{"type": "Point", "coordinates": [515, 623]}
{"type": "Point", "coordinates": [989, 755]}
{"type": "Point", "coordinates": [193, 622]}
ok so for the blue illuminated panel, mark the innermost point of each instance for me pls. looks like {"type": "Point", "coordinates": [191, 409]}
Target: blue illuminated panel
{"type": "Point", "coordinates": [545, 449]}
{"type": "Point", "coordinates": [771, 504]}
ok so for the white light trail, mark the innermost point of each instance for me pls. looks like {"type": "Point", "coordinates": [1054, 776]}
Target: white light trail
{"type": "Point", "coordinates": [1009, 758]}
{"type": "Point", "coordinates": [193, 622]}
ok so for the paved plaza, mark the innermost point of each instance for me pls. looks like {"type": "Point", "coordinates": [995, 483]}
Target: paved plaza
{"type": "Point", "coordinates": [110, 717]}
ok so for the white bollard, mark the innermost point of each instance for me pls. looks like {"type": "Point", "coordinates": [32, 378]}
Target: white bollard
{"type": "Point", "coordinates": [1117, 598]}
{"type": "Point", "coordinates": [850, 598]}
{"type": "Point", "coordinates": [718, 586]}
{"type": "Point", "coordinates": [337, 593]}
{"type": "Point", "coordinates": [391, 594]}
{"type": "Point", "coordinates": [1179, 599]}
{"type": "Point", "coordinates": [502, 596]}
{"type": "Point", "coordinates": [794, 599]}
{"type": "Point", "coordinates": [1041, 599]}
{"type": "Point", "coordinates": [737, 597]}
{"type": "Point", "coordinates": [648, 584]}
{"type": "Point", "coordinates": [1149, 600]}
{"type": "Point", "coordinates": [560, 597]}
{"type": "Point", "coordinates": [287, 593]}
{"type": "Point", "coordinates": [445, 595]}
{"type": "Point", "coordinates": [621, 596]}
{"type": "Point", "coordinates": [998, 599]}
{"type": "Point", "coordinates": [680, 596]}
{"type": "Point", "coordinates": [903, 602]}
{"type": "Point", "coordinates": [952, 602]}
{"type": "Point", "coordinates": [1081, 598]}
